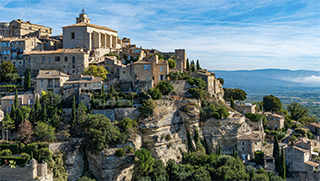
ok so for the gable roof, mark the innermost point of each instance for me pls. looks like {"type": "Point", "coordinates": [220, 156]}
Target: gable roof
{"type": "Point", "coordinates": [47, 74]}
{"type": "Point", "coordinates": [251, 136]}
{"type": "Point", "coordinates": [70, 51]}
{"type": "Point", "coordinates": [83, 24]}
{"type": "Point", "coordinates": [311, 163]}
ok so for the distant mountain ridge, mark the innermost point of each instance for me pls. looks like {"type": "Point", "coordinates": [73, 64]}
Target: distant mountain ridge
{"type": "Point", "coordinates": [271, 80]}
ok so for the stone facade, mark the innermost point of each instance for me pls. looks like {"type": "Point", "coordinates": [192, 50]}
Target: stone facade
{"type": "Point", "coordinates": [30, 172]}
{"type": "Point", "coordinates": [19, 28]}
{"type": "Point", "coordinates": [13, 49]}
{"type": "Point", "coordinates": [85, 83]}
{"type": "Point", "coordinates": [247, 144]}
{"type": "Point", "coordinates": [51, 80]}
{"type": "Point", "coordinates": [246, 108]}
{"type": "Point", "coordinates": [214, 86]}
{"type": "Point", "coordinates": [298, 159]}
{"type": "Point", "coordinates": [69, 61]}
{"type": "Point", "coordinates": [24, 99]}
{"type": "Point", "coordinates": [275, 121]}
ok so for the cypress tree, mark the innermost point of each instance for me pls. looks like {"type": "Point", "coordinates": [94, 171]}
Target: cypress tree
{"type": "Point", "coordinates": [73, 116]}
{"type": "Point", "coordinates": [232, 102]}
{"type": "Point", "coordinates": [32, 115]}
{"type": "Point", "coordinates": [193, 68]}
{"type": "Point", "coordinates": [198, 65]}
{"type": "Point", "coordinates": [44, 116]}
{"type": "Point", "coordinates": [37, 110]}
{"type": "Point", "coordinates": [111, 89]}
{"type": "Point", "coordinates": [276, 153]}
{"type": "Point", "coordinates": [235, 155]}
{"type": "Point", "coordinates": [188, 65]}
{"type": "Point", "coordinates": [92, 97]}
{"type": "Point", "coordinates": [27, 79]}
{"type": "Point", "coordinates": [19, 118]}
{"type": "Point", "coordinates": [16, 100]}
{"type": "Point", "coordinates": [282, 172]}
{"type": "Point", "coordinates": [219, 150]}
{"type": "Point", "coordinates": [101, 91]}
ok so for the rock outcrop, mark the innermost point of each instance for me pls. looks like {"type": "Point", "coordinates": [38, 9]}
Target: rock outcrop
{"type": "Point", "coordinates": [107, 167]}
{"type": "Point", "coordinates": [165, 134]}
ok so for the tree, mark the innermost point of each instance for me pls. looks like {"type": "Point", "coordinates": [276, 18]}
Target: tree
{"type": "Point", "coordinates": [12, 78]}
{"type": "Point", "coordinates": [44, 115]}
{"type": "Point", "coordinates": [235, 153]}
{"type": "Point", "coordinates": [232, 102]}
{"type": "Point", "coordinates": [25, 131]}
{"type": "Point", "coordinates": [297, 111]}
{"type": "Point", "coordinates": [101, 91]}
{"type": "Point", "coordinates": [221, 80]}
{"type": "Point", "coordinates": [99, 132]}
{"type": "Point", "coordinates": [165, 87]}
{"type": "Point", "coordinates": [19, 118]}
{"type": "Point", "coordinates": [55, 119]}
{"type": "Point", "coordinates": [37, 110]}
{"type": "Point", "coordinates": [198, 65]}
{"type": "Point", "coordinates": [236, 94]}
{"type": "Point", "coordinates": [147, 108]}
{"type": "Point", "coordinates": [81, 114]}
{"type": "Point", "coordinates": [272, 103]}
{"type": "Point", "coordinates": [155, 93]}
{"type": "Point", "coordinates": [7, 124]}
{"type": "Point", "coordinates": [276, 153]}
{"type": "Point", "coordinates": [73, 117]}
{"type": "Point", "coordinates": [307, 120]}
{"type": "Point", "coordinates": [27, 79]}
{"type": "Point", "coordinates": [159, 169]}
{"type": "Point", "coordinates": [172, 63]}
{"type": "Point", "coordinates": [7, 67]}
{"type": "Point", "coordinates": [193, 68]}
{"type": "Point", "coordinates": [199, 145]}
{"type": "Point", "coordinates": [112, 91]}
{"type": "Point", "coordinates": [188, 65]}
{"type": "Point", "coordinates": [143, 164]}
{"type": "Point", "coordinates": [96, 71]}
{"type": "Point", "coordinates": [85, 178]}
{"type": "Point", "coordinates": [282, 170]}
{"type": "Point", "coordinates": [45, 132]}
{"type": "Point", "coordinates": [15, 108]}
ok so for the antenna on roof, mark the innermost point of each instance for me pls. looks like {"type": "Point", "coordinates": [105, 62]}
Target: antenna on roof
{"type": "Point", "coordinates": [83, 12]}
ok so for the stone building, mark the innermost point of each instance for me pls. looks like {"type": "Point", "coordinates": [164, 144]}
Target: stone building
{"type": "Point", "coordinates": [50, 80]}
{"type": "Point", "coordinates": [19, 28]}
{"type": "Point", "coordinates": [32, 171]}
{"type": "Point", "coordinates": [69, 61]}
{"type": "Point", "coordinates": [214, 86]}
{"type": "Point", "coordinates": [247, 144]}
{"type": "Point", "coordinates": [179, 55]}
{"type": "Point", "coordinates": [51, 43]}
{"type": "Point", "coordinates": [24, 99]}
{"type": "Point", "coordinates": [112, 64]}
{"type": "Point", "coordinates": [246, 108]}
{"type": "Point", "coordinates": [314, 127]}
{"type": "Point", "coordinates": [99, 39]}
{"type": "Point", "coordinates": [85, 83]}
{"type": "Point", "coordinates": [275, 121]}
{"type": "Point", "coordinates": [14, 49]}
{"type": "Point", "coordinates": [299, 159]}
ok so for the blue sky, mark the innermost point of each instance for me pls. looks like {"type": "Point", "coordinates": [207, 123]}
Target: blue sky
{"type": "Point", "coordinates": [222, 34]}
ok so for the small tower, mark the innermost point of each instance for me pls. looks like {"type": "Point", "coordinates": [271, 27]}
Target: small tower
{"type": "Point", "coordinates": [83, 17]}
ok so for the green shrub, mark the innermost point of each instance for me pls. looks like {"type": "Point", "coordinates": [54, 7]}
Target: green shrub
{"type": "Point", "coordinates": [302, 131]}
{"type": "Point", "coordinates": [147, 108]}
{"type": "Point", "coordinates": [196, 93]}
{"type": "Point", "coordinates": [6, 152]}
{"type": "Point", "coordinates": [311, 135]}
{"type": "Point", "coordinates": [253, 117]}
{"type": "Point", "coordinates": [129, 149]}
{"type": "Point", "coordinates": [258, 157]}
{"type": "Point", "coordinates": [119, 152]}
{"type": "Point", "coordinates": [165, 87]}
{"type": "Point", "coordinates": [155, 93]}
{"type": "Point", "coordinates": [24, 155]}
{"type": "Point", "coordinates": [21, 161]}
{"type": "Point", "coordinates": [120, 104]}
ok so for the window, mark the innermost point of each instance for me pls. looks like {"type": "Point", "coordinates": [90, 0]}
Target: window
{"type": "Point", "coordinates": [49, 59]}
{"type": "Point", "coordinates": [94, 84]}
{"type": "Point", "coordinates": [242, 143]}
{"type": "Point", "coordinates": [57, 59]}
{"type": "Point", "coordinates": [30, 101]}
{"type": "Point", "coordinates": [34, 59]}
{"type": "Point", "coordinates": [137, 51]}
{"type": "Point", "coordinates": [161, 69]}
{"type": "Point", "coordinates": [99, 84]}
{"type": "Point", "coordinates": [85, 85]}
{"type": "Point", "coordinates": [147, 78]}
{"type": "Point", "coordinates": [73, 66]}
{"type": "Point", "coordinates": [129, 58]}
{"type": "Point", "coordinates": [73, 59]}
{"type": "Point", "coordinates": [10, 102]}
{"type": "Point", "coordinates": [242, 148]}
{"type": "Point", "coordinates": [108, 62]}
{"type": "Point", "coordinates": [66, 59]}
{"type": "Point", "coordinates": [8, 108]}
{"type": "Point", "coordinates": [72, 35]}
{"type": "Point", "coordinates": [147, 67]}
{"type": "Point", "coordinates": [41, 84]}
{"type": "Point", "coordinates": [29, 60]}
{"type": "Point", "coordinates": [13, 55]}
{"type": "Point", "coordinates": [43, 59]}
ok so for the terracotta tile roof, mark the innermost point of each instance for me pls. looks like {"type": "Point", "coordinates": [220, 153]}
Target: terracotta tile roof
{"type": "Point", "coordinates": [311, 163]}
{"type": "Point", "coordinates": [315, 124]}
{"type": "Point", "coordinates": [8, 39]}
{"type": "Point", "coordinates": [83, 24]}
{"type": "Point", "coordinates": [251, 136]}
{"type": "Point", "coordinates": [22, 22]}
{"type": "Point", "coordinates": [47, 74]}
{"type": "Point", "coordinates": [203, 72]}
{"type": "Point", "coordinates": [59, 51]}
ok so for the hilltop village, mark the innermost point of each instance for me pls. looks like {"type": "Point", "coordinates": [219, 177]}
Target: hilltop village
{"type": "Point", "coordinates": [87, 105]}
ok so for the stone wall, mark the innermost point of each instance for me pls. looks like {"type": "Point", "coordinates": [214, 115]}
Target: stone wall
{"type": "Point", "coordinates": [119, 113]}
{"type": "Point", "coordinates": [180, 85]}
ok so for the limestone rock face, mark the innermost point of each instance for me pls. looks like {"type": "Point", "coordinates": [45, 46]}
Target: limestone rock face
{"type": "Point", "coordinates": [224, 132]}
{"type": "Point", "coordinates": [107, 167]}
{"type": "Point", "coordinates": [165, 134]}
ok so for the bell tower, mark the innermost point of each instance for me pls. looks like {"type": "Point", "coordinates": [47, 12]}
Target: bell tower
{"type": "Point", "coordinates": [83, 17]}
